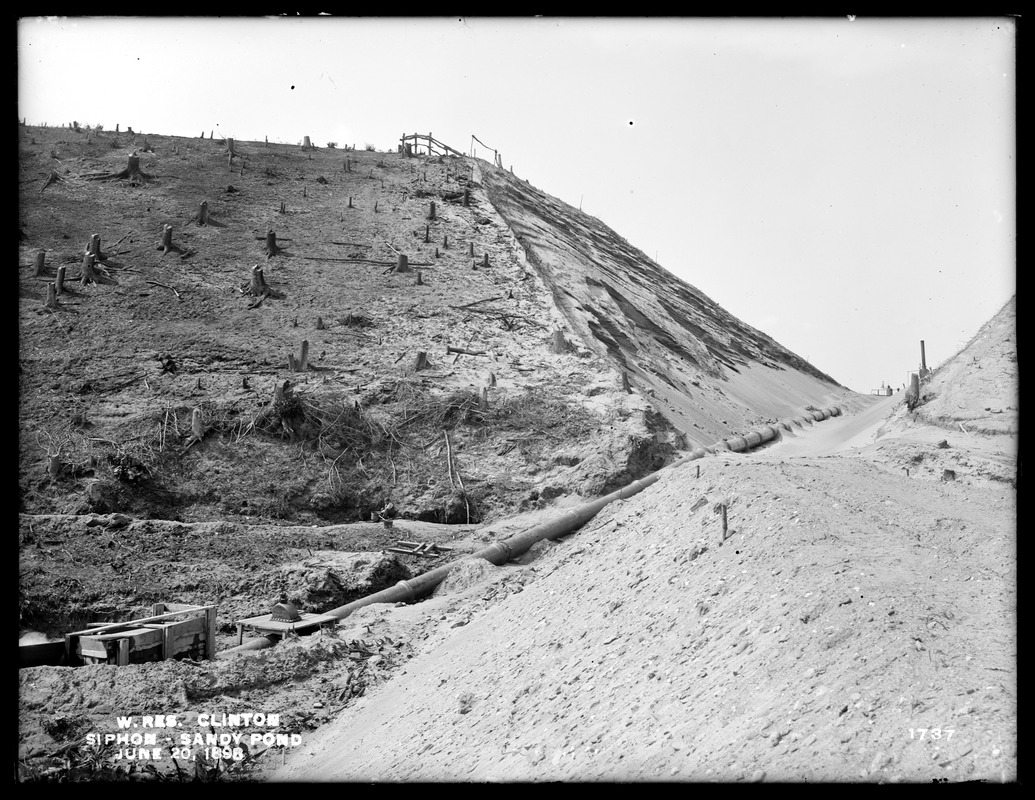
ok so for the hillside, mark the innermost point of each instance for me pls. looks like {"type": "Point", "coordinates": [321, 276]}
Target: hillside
{"type": "Point", "coordinates": [111, 377]}
{"type": "Point", "coordinates": [168, 452]}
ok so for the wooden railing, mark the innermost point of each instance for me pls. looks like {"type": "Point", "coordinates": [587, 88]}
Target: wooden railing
{"type": "Point", "coordinates": [412, 144]}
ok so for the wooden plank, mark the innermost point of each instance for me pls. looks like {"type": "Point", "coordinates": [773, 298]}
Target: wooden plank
{"type": "Point", "coordinates": [144, 636]}
{"type": "Point", "coordinates": [210, 638]}
{"type": "Point", "coordinates": [93, 648]}
{"type": "Point", "coordinates": [155, 618]}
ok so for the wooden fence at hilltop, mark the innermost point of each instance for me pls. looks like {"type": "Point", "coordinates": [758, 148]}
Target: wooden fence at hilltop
{"type": "Point", "coordinates": [411, 144]}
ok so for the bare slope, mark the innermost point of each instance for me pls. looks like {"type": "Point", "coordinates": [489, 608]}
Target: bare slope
{"type": "Point", "coordinates": [857, 622]}
{"type": "Point", "coordinates": [978, 387]}
{"type": "Point", "coordinates": [706, 371]}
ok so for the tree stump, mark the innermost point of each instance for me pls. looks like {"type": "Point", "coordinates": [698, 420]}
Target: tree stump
{"type": "Point", "coordinates": [431, 211]}
{"type": "Point", "coordinates": [350, 201]}
{"type": "Point", "coordinates": [202, 217]}
{"type": "Point", "coordinates": [421, 361]}
{"type": "Point", "coordinates": [303, 362]}
{"type": "Point", "coordinates": [41, 256]}
{"type": "Point", "coordinates": [166, 244]}
{"type": "Point", "coordinates": [427, 235]}
{"type": "Point", "coordinates": [258, 286]}
{"type": "Point", "coordinates": [420, 280]}
{"type": "Point", "coordinates": [319, 324]}
{"type": "Point", "coordinates": [470, 249]}
{"type": "Point", "coordinates": [560, 344]}
{"type": "Point", "coordinates": [375, 206]}
{"type": "Point", "coordinates": [94, 274]}
{"type": "Point", "coordinates": [283, 210]}
{"type": "Point", "coordinates": [51, 296]}
{"type": "Point", "coordinates": [94, 247]}
{"type": "Point", "coordinates": [131, 172]}
{"type": "Point", "coordinates": [467, 198]}
{"type": "Point", "coordinates": [52, 178]}
{"type": "Point", "coordinates": [271, 244]}
{"type": "Point", "coordinates": [445, 242]}
{"type": "Point", "coordinates": [485, 260]}
{"type": "Point", "coordinates": [59, 282]}
{"type": "Point", "coordinates": [402, 264]}
{"type": "Point", "coordinates": [306, 143]}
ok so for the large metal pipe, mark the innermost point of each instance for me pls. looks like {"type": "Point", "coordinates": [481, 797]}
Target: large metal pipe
{"type": "Point", "coordinates": [570, 520]}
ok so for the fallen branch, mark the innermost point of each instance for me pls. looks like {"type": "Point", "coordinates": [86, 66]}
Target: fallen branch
{"type": "Point", "coordinates": [477, 302]}
{"type": "Point", "coordinates": [165, 286]}
{"type": "Point", "coordinates": [461, 351]}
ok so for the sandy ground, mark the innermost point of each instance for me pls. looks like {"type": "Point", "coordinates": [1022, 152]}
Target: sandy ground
{"type": "Point", "coordinates": [854, 624]}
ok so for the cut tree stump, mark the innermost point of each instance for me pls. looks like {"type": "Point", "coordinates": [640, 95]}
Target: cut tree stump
{"type": "Point", "coordinates": [319, 324]}
{"type": "Point", "coordinates": [41, 256]}
{"type": "Point", "coordinates": [420, 361]}
{"type": "Point", "coordinates": [306, 144]}
{"type": "Point", "coordinates": [52, 178]}
{"type": "Point", "coordinates": [560, 344]}
{"type": "Point", "coordinates": [258, 287]}
{"type": "Point", "coordinates": [427, 234]}
{"type": "Point", "coordinates": [301, 363]}
{"type": "Point", "coordinates": [431, 211]}
{"type": "Point", "coordinates": [445, 242]}
{"type": "Point", "coordinates": [94, 274]}
{"type": "Point", "coordinates": [467, 198]}
{"type": "Point", "coordinates": [271, 244]}
{"type": "Point", "coordinates": [420, 280]}
{"type": "Point", "coordinates": [485, 260]}
{"type": "Point", "coordinates": [197, 428]}
{"type": "Point", "coordinates": [202, 217]}
{"type": "Point", "coordinates": [59, 282]}
{"type": "Point", "coordinates": [166, 242]}
{"type": "Point", "coordinates": [51, 296]}
{"type": "Point", "coordinates": [132, 172]}
{"type": "Point", "coordinates": [94, 247]}
{"type": "Point", "coordinates": [402, 264]}
{"type": "Point", "coordinates": [470, 249]}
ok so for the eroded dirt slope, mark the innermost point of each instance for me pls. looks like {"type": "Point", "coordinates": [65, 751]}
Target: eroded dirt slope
{"type": "Point", "coordinates": [704, 370]}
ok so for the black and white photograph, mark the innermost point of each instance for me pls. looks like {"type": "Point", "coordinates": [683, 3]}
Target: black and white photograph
{"type": "Point", "coordinates": [517, 400]}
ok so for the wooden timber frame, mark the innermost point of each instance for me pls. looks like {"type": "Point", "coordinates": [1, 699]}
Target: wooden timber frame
{"type": "Point", "coordinates": [416, 141]}
{"type": "Point", "coordinates": [158, 637]}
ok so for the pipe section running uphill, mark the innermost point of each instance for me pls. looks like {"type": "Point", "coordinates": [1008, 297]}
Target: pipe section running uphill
{"type": "Point", "coordinates": [571, 520]}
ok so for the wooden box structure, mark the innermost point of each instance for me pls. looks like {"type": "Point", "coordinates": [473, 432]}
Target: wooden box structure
{"type": "Point", "coordinates": [174, 630]}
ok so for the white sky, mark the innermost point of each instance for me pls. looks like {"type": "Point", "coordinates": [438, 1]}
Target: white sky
{"type": "Point", "coordinates": [847, 186]}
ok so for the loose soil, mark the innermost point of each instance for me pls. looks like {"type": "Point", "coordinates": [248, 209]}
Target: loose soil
{"type": "Point", "coordinates": [860, 606]}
